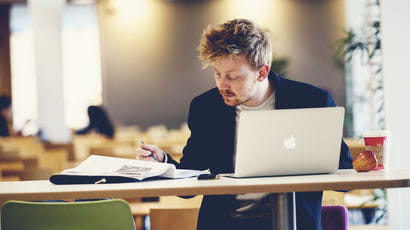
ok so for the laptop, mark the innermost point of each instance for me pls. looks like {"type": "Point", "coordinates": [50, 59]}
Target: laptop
{"type": "Point", "coordinates": [288, 142]}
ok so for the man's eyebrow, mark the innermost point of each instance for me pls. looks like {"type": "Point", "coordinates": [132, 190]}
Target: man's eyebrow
{"type": "Point", "coordinates": [228, 71]}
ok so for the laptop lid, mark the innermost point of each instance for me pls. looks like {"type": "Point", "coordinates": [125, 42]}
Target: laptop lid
{"type": "Point", "coordinates": [288, 141]}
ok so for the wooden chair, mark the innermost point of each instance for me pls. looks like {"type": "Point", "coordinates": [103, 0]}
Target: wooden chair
{"type": "Point", "coordinates": [54, 159]}
{"type": "Point", "coordinates": [30, 158]}
{"type": "Point", "coordinates": [140, 210]}
{"type": "Point", "coordinates": [36, 174]}
{"type": "Point", "coordinates": [9, 169]}
{"type": "Point", "coordinates": [66, 147]}
{"type": "Point", "coordinates": [174, 218]}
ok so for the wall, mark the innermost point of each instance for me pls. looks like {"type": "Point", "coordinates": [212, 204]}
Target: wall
{"type": "Point", "coordinates": [149, 58]}
{"type": "Point", "coordinates": [5, 80]}
{"type": "Point", "coordinates": [396, 49]}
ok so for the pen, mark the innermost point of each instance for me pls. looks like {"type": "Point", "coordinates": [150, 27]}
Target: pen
{"type": "Point", "coordinates": [103, 180]}
{"type": "Point", "coordinates": [152, 153]}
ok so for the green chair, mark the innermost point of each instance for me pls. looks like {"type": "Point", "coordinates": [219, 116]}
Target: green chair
{"type": "Point", "coordinates": [85, 215]}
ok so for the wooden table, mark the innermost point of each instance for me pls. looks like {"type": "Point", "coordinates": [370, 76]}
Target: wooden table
{"type": "Point", "coordinates": [281, 186]}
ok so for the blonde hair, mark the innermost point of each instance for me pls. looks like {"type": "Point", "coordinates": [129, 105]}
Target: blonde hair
{"type": "Point", "coordinates": [236, 37]}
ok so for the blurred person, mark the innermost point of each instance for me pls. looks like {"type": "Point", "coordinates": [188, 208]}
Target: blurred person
{"type": "Point", "coordinates": [98, 122]}
{"type": "Point", "coordinates": [240, 54]}
{"type": "Point", "coordinates": [6, 116]}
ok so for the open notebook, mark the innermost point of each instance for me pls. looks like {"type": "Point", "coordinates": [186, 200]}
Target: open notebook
{"type": "Point", "coordinates": [101, 169]}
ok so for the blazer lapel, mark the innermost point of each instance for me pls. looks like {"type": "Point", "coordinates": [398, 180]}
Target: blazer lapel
{"type": "Point", "coordinates": [280, 97]}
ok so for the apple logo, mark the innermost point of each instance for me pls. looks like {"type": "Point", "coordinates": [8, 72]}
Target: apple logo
{"type": "Point", "coordinates": [290, 142]}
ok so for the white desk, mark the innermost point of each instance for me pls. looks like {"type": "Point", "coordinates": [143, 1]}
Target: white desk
{"type": "Point", "coordinates": [342, 180]}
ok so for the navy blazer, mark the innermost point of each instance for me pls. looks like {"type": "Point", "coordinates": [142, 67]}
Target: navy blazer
{"type": "Point", "coordinates": [211, 146]}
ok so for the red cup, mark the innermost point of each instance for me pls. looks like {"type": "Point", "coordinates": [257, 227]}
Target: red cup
{"type": "Point", "coordinates": [378, 141]}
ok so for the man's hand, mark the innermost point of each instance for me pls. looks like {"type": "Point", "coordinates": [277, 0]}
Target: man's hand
{"type": "Point", "coordinates": [150, 153]}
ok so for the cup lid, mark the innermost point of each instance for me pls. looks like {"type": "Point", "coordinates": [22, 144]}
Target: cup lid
{"type": "Point", "coordinates": [377, 133]}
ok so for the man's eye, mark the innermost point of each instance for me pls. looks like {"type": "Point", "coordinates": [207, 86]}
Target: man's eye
{"type": "Point", "coordinates": [230, 77]}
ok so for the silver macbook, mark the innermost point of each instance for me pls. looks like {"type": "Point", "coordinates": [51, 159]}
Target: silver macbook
{"type": "Point", "coordinates": [288, 142]}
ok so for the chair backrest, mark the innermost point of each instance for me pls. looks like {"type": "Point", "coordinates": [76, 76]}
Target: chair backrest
{"type": "Point", "coordinates": [86, 215]}
{"type": "Point", "coordinates": [174, 218]}
{"type": "Point", "coordinates": [335, 217]}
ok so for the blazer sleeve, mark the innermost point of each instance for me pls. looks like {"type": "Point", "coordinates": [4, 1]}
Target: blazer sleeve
{"type": "Point", "coordinates": [192, 154]}
{"type": "Point", "coordinates": [345, 160]}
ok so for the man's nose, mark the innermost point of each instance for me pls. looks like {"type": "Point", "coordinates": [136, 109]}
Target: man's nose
{"type": "Point", "coordinates": [223, 84]}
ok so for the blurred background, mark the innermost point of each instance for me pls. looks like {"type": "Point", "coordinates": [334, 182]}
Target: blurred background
{"type": "Point", "coordinates": [137, 60]}
{"type": "Point", "coordinates": [142, 54]}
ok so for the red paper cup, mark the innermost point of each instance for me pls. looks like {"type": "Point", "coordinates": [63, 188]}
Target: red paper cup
{"type": "Point", "coordinates": [378, 141]}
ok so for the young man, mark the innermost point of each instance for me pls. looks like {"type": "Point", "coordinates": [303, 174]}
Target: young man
{"type": "Point", "coordinates": [240, 55]}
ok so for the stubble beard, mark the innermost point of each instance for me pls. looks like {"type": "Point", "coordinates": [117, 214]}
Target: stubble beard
{"type": "Point", "coordinates": [232, 100]}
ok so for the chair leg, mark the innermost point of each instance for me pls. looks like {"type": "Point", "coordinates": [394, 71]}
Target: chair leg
{"type": "Point", "coordinates": [139, 222]}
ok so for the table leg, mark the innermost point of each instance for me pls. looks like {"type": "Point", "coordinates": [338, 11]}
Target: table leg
{"type": "Point", "coordinates": [283, 211]}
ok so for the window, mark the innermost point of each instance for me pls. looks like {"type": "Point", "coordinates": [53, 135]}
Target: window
{"type": "Point", "coordinates": [81, 65]}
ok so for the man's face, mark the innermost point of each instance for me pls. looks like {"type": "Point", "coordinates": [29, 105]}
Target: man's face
{"type": "Point", "coordinates": [235, 80]}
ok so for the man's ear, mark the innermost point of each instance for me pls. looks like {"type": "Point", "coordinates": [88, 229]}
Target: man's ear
{"type": "Point", "coordinates": [263, 72]}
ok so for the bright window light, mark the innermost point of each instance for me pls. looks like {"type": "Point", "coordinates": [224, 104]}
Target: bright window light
{"type": "Point", "coordinates": [81, 65]}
